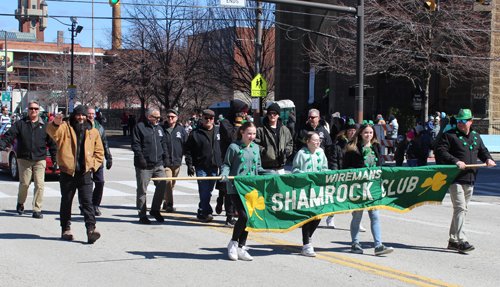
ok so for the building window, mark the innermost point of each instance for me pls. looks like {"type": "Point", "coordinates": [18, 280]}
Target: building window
{"type": "Point", "coordinates": [57, 59]}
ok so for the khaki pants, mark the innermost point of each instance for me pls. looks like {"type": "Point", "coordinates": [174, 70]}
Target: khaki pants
{"type": "Point", "coordinates": [460, 197]}
{"type": "Point", "coordinates": [171, 171]}
{"type": "Point", "coordinates": [27, 170]}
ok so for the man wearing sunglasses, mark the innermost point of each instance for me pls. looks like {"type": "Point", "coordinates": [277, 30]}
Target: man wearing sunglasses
{"type": "Point", "coordinates": [203, 157]}
{"type": "Point", "coordinates": [177, 137]}
{"type": "Point", "coordinates": [32, 143]}
{"type": "Point", "coordinates": [150, 147]}
{"type": "Point", "coordinates": [462, 146]}
{"type": "Point", "coordinates": [312, 124]}
{"type": "Point", "coordinates": [275, 140]}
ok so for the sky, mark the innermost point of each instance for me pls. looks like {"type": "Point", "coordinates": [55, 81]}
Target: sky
{"type": "Point", "coordinates": [102, 28]}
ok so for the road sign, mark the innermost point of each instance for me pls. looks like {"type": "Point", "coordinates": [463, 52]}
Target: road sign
{"type": "Point", "coordinates": [72, 92]}
{"type": "Point", "coordinates": [259, 86]}
{"type": "Point", "coordinates": [233, 3]}
{"type": "Point", "coordinates": [5, 96]}
{"type": "Point", "coordinates": [255, 104]}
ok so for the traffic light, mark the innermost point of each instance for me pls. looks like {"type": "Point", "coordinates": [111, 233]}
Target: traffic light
{"type": "Point", "coordinates": [114, 2]}
{"type": "Point", "coordinates": [431, 5]}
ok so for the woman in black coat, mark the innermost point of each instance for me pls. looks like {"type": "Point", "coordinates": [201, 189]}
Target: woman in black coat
{"type": "Point", "coordinates": [365, 151]}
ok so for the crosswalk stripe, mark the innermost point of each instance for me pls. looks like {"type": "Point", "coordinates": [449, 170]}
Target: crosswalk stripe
{"type": "Point", "coordinates": [4, 195]}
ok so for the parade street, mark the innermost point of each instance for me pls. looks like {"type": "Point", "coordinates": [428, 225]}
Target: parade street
{"type": "Point", "coordinates": [184, 251]}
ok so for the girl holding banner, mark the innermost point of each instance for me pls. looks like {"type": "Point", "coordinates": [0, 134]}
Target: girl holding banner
{"type": "Point", "coordinates": [242, 158]}
{"type": "Point", "coordinates": [311, 158]}
{"type": "Point", "coordinates": [365, 151]}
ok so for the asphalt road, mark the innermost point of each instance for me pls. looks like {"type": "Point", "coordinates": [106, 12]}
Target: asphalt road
{"type": "Point", "coordinates": [183, 251]}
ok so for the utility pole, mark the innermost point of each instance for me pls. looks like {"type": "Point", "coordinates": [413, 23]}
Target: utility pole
{"type": "Point", "coordinates": [6, 62]}
{"type": "Point", "coordinates": [360, 42]}
{"type": "Point", "coordinates": [258, 51]}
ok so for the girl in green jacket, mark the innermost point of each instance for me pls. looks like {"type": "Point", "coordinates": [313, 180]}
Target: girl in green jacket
{"type": "Point", "coordinates": [310, 159]}
{"type": "Point", "coordinates": [242, 158]}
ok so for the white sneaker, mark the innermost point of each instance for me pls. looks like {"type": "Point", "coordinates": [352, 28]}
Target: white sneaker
{"type": "Point", "coordinates": [330, 222]}
{"type": "Point", "coordinates": [232, 250]}
{"type": "Point", "coordinates": [243, 254]}
{"type": "Point", "coordinates": [308, 250]}
{"type": "Point", "coordinates": [361, 228]}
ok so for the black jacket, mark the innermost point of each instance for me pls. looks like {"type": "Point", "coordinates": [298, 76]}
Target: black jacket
{"type": "Point", "coordinates": [399, 154]}
{"type": "Point", "coordinates": [149, 142]}
{"type": "Point", "coordinates": [32, 139]}
{"type": "Point", "coordinates": [104, 138]}
{"type": "Point", "coordinates": [451, 149]}
{"type": "Point", "coordinates": [355, 159]}
{"type": "Point", "coordinates": [199, 151]}
{"type": "Point", "coordinates": [326, 141]}
{"type": "Point", "coordinates": [424, 143]}
{"type": "Point", "coordinates": [228, 126]}
{"type": "Point", "coordinates": [338, 153]}
{"type": "Point", "coordinates": [412, 150]}
{"type": "Point", "coordinates": [177, 141]}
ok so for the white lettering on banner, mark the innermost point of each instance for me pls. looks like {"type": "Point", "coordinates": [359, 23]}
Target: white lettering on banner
{"type": "Point", "coordinates": [353, 176]}
{"type": "Point", "coordinates": [303, 200]}
{"type": "Point", "coordinates": [403, 185]}
{"type": "Point", "coordinates": [316, 200]}
{"type": "Point", "coordinates": [277, 202]}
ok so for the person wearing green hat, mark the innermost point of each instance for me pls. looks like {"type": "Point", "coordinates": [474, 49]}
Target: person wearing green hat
{"type": "Point", "coordinates": [462, 146]}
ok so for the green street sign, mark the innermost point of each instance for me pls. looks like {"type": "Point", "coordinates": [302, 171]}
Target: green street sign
{"type": "Point", "coordinates": [5, 96]}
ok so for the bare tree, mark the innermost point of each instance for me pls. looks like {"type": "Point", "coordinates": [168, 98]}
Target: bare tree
{"type": "Point", "coordinates": [403, 39]}
{"type": "Point", "coordinates": [177, 58]}
{"type": "Point", "coordinates": [231, 47]}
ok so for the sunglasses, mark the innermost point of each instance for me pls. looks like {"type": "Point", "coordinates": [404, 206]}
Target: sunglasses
{"type": "Point", "coordinates": [171, 117]}
{"type": "Point", "coordinates": [156, 118]}
{"type": "Point", "coordinates": [208, 118]}
{"type": "Point", "coordinates": [33, 109]}
{"type": "Point", "coordinates": [462, 121]}
{"type": "Point", "coordinates": [272, 113]}
{"type": "Point", "coordinates": [312, 117]}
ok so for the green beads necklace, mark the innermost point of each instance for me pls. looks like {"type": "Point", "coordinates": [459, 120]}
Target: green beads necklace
{"type": "Point", "coordinates": [471, 147]}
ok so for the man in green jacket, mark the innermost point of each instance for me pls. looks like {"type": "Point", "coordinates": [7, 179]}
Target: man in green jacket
{"type": "Point", "coordinates": [275, 141]}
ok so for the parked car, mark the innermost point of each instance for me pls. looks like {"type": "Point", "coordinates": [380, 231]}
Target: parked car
{"type": "Point", "coordinates": [8, 158]}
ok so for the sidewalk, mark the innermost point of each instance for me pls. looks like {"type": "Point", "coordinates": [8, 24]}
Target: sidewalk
{"type": "Point", "coordinates": [116, 139]}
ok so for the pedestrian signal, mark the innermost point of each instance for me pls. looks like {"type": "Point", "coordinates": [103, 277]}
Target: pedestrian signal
{"type": "Point", "coordinates": [114, 2]}
{"type": "Point", "coordinates": [431, 5]}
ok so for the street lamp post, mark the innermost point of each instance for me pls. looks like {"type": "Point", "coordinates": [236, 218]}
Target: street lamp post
{"type": "Point", "coordinates": [74, 31]}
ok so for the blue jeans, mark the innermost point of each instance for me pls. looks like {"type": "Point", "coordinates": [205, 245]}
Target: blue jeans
{"type": "Point", "coordinates": [375, 226]}
{"type": "Point", "coordinates": [412, 162]}
{"type": "Point", "coordinates": [205, 188]}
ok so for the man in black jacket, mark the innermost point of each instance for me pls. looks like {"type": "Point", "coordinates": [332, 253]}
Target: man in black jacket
{"type": "Point", "coordinates": [324, 136]}
{"type": "Point", "coordinates": [98, 175]}
{"type": "Point", "coordinates": [150, 147]}
{"type": "Point", "coordinates": [203, 157]}
{"type": "Point", "coordinates": [32, 143]}
{"type": "Point", "coordinates": [177, 138]}
{"type": "Point", "coordinates": [462, 146]}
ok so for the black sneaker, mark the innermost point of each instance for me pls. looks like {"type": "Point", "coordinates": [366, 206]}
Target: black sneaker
{"type": "Point", "coordinates": [20, 208]}
{"type": "Point", "coordinates": [230, 222]}
{"type": "Point", "coordinates": [453, 245]}
{"type": "Point", "coordinates": [37, 215]}
{"type": "Point", "coordinates": [144, 220]}
{"type": "Point", "coordinates": [170, 208]}
{"type": "Point", "coordinates": [465, 247]}
{"type": "Point", "coordinates": [156, 214]}
{"type": "Point", "coordinates": [97, 212]}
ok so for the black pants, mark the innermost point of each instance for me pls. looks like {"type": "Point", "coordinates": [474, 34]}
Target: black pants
{"type": "Point", "coordinates": [68, 185]}
{"type": "Point", "coordinates": [308, 230]}
{"type": "Point", "coordinates": [223, 198]}
{"type": "Point", "coordinates": [239, 233]}
{"type": "Point", "coordinates": [98, 178]}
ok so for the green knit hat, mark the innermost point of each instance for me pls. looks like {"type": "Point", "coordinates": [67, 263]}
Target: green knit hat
{"type": "Point", "coordinates": [464, 114]}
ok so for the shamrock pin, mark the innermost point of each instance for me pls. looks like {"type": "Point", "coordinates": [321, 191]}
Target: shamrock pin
{"type": "Point", "coordinates": [254, 202]}
{"type": "Point", "coordinates": [435, 183]}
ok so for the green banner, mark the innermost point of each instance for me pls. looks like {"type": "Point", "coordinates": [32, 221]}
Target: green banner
{"type": "Point", "coordinates": [281, 203]}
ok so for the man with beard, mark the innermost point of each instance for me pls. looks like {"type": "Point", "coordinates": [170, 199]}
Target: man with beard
{"type": "Point", "coordinates": [80, 153]}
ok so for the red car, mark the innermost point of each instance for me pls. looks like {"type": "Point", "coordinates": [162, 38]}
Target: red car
{"type": "Point", "coordinates": [8, 158]}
